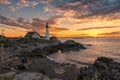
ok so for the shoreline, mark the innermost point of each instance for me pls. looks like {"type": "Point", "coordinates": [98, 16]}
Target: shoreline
{"type": "Point", "coordinates": [33, 58]}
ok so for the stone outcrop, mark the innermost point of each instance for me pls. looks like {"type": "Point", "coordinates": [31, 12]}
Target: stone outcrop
{"type": "Point", "coordinates": [48, 48]}
{"type": "Point", "coordinates": [103, 69]}
{"type": "Point", "coordinates": [42, 49]}
{"type": "Point", "coordinates": [32, 76]}
{"type": "Point", "coordinates": [32, 56]}
{"type": "Point", "coordinates": [71, 45]}
{"type": "Point", "coordinates": [53, 69]}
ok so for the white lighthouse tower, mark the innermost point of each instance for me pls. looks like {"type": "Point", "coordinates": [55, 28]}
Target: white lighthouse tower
{"type": "Point", "coordinates": [47, 32]}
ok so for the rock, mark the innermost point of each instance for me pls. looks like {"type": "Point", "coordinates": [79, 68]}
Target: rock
{"type": "Point", "coordinates": [88, 44]}
{"type": "Point", "coordinates": [28, 76]}
{"type": "Point", "coordinates": [51, 69]}
{"type": "Point", "coordinates": [10, 48]}
{"type": "Point", "coordinates": [8, 74]}
{"type": "Point", "coordinates": [103, 69]}
{"type": "Point", "coordinates": [103, 62]}
{"type": "Point", "coordinates": [41, 50]}
{"type": "Point", "coordinates": [71, 45]}
{"type": "Point", "coordinates": [49, 48]}
{"type": "Point", "coordinates": [32, 76]}
{"type": "Point", "coordinates": [21, 67]}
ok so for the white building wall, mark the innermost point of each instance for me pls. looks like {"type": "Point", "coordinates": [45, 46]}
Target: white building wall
{"type": "Point", "coordinates": [47, 34]}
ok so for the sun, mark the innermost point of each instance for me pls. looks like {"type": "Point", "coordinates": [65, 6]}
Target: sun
{"type": "Point", "coordinates": [93, 35]}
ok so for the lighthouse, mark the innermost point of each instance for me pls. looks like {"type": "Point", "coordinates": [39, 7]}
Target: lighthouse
{"type": "Point", "coordinates": [47, 32]}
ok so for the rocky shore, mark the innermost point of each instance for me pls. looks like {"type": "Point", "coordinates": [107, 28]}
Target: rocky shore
{"type": "Point", "coordinates": [30, 57]}
{"type": "Point", "coordinates": [102, 69]}
{"type": "Point", "coordinates": [27, 59]}
{"type": "Point", "coordinates": [44, 48]}
{"type": "Point", "coordinates": [71, 45]}
{"type": "Point", "coordinates": [44, 69]}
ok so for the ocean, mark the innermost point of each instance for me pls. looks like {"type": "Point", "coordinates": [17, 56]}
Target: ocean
{"type": "Point", "coordinates": [108, 47]}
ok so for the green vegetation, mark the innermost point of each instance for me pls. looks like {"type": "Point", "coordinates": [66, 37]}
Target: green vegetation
{"type": "Point", "coordinates": [11, 77]}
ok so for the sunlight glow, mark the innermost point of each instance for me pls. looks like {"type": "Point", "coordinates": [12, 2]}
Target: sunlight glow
{"type": "Point", "coordinates": [93, 35]}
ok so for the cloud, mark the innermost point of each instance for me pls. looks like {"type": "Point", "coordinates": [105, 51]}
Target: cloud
{"type": "Point", "coordinates": [34, 3]}
{"type": "Point", "coordinates": [78, 9]}
{"type": "Point", "coordinates": [7, 21]}
{"type": "Point", "coordinates": [22, 4]}
{"type": "Point", "coordinates": [27, 3]}
{"type": "Point", "coordinates": [37, 24]}
{"type": "Point", "coordinates": [5, 2]}
{"type": "Point", "coordinates": [40, 23]}
{"type": "Point", "coordinates": [111, 33]}
{"type": "Point", "coordinates": [2, 25]}
{"type": "Point", "coordinates": [55, 29]}
{"type": "Point", "coordinates": [11, 8]}
{"type": "Point", "coordinates": [19, 23]}
{"type": "Point", "coordinates": [88, 8]}
{"type": "Point", "coordinates": [67, 13]}
{"type": "Point", "coordinates": [81, 8]}
{"type": "Point", "coordinates": [46, 1]}
{"type": "Point", "coordinates": [82, 11]}
{"type": "Point", "coordinates": [97, 28]}
{"type": "Point", "coordinates": [20, 20]}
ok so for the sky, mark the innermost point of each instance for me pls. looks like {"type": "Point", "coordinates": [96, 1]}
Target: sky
{"type": "Point", "coordinates": [66, 18]}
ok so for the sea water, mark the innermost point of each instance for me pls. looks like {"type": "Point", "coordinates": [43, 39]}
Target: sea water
{"type": "Point", "coordinates": [96, 47]}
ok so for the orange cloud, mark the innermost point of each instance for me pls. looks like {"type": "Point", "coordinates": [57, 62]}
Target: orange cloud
{"type": "Point", "coordinates": [111, 34]}
{"type": "Point", "coordinates": [4, 2]}
{"type": "Point", "coordinates": [12, 8]}
{"type": "Point", "coordinates": [98, 28]}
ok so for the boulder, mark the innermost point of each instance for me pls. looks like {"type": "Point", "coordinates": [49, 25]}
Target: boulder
{"type": "Point", "coordinates": [103, 69]}
{"type": "Point", "coordinates": [103, 62]}
{"type": "Point", "coordinates": [71, 45]}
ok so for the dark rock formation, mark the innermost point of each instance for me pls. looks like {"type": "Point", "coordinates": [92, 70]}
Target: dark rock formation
{"type": "Point", "coordinates": [21, 67]}
{"type": "Point", "coordinates": [53, 69]}
{"type": "Point", "coordinates": [103, 69]}
{"type": "Point", "coordinates": [42, 49]}
{"type": "Point", "coordinates": [32, 76]}
{"type": "Point", "coordinates": [71, 45]}
{"type": "Point", "coordinates": [89, 45]}
{"type": "Point", "coordinates": [49, 48]}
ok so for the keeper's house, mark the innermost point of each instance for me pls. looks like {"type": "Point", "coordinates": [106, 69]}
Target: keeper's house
{"type": "Point", "coordinates": [32, 35]}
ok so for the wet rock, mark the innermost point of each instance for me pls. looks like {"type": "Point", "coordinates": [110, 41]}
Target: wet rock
{"type": "Point", "coordinates": [103, 68]}
{"type": "Point", "coordinates": [71, 45]}
{"type": "Point", "coordinates": [103, 62]}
